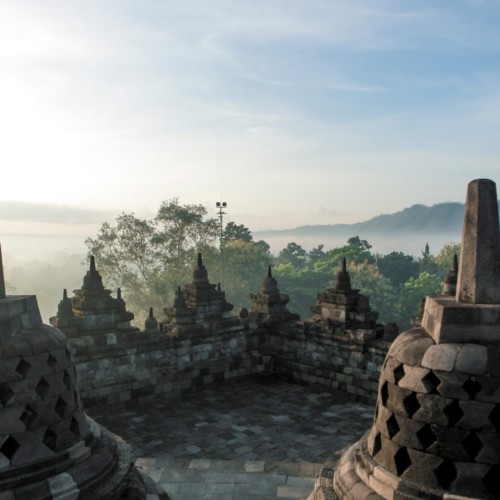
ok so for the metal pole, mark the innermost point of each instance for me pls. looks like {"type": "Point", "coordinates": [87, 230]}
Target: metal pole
{"type": "Point", "coordinates": [221, 206]}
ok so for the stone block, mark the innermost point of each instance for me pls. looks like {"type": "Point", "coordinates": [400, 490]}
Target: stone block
{"type": "Point", "coordinates": [413, 379]}
{"type": "Point", "coordinates": [472, 359]}
{"type": "Point", "coordinates": [476, 416]}
{"type": "Point", "coordinates": [432, 409]}
{"type": "Point", "coordinates": [448, 443]}
{"type": "Point", "coordinates": [441, 357]}
{"type": "Point", "coordinates": [410, 347]}
{"type": "Point", "coordinates": [421, 469]}
{"type": "Point", "coordinates": [449, 321]}
{"type": "Point", "coordinates": [451, 385]}
{"type": "Point", "coordinates": [467, 482]}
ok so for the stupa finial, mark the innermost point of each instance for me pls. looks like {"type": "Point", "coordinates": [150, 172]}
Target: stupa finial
{"type": "Point", "coordinates": [269, 273]}
{"type": "Point", "coordinates": [479, 270]}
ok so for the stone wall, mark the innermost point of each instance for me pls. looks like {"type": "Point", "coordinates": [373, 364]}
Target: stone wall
{"type": "Point", "coordinates": [114, 368]}
{"type": "Point", "coordinates": [344, 360]}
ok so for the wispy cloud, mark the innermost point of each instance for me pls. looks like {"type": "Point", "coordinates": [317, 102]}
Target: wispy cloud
{"type": "Point", "coordinates": [50, 213]}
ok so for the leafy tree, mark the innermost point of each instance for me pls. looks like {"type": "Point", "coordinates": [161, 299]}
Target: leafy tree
{"type": "Point", "coordinates": [293, 254]}
{"type": "Point", "coordinates": [149, 258]}
{"type": "Point", "coordinates": [315, 254]}
{"type": "Point", "coordinates": [444, 260]}
{"type": "Point", "coordinates": [355, 241]}
{"type": "Point", "coordinates": [398, 267]}
{"type": "Point", "coordinates": [245, 265]}
{"type": "Point", "coordinates": [234, 232]}
{"type": "Point", "coordinates": [302, 285]}
{"type": "Point", "coordinates": [383, 297]}
{"type": "Point", "coordinates": [181, 231]}
{"type": "Point", "coordinates": [426, 262]}
{"type": "Point", "coordinates": [414, 290]}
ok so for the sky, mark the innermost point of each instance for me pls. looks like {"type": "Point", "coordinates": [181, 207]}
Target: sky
{"type": "Point", "coordinates": [292, 111]}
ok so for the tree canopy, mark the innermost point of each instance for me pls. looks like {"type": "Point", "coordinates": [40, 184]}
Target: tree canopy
{"type": "Point", "coordinates": [149, 258]}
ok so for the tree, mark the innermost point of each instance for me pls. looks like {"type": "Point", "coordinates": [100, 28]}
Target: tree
{"type": "Point", "coordinates": [383, 297]}
{"type": "Point", "coordinates": [355, 241]}
{"type": "Point", "coordinates": [293, 254]}
{"type": "Point", "coordinates": [315, 254]}
{"type": "Point", "coordinates": [149, 258]}
{"type": "Point", "coordinates": [414, 290]}
{"type": "Point", "coordinates": [234, 232]}
{"type": "Point", "coordinates": [245, 265]}
{"type": "Point", "coordinates": [181, 231]}
{"type": "Point", "coordinates": [398, 267]}
{"type": "Point", "coordinates": [426, 262]}
{"type": "Point", "coordinates": [444, 259]}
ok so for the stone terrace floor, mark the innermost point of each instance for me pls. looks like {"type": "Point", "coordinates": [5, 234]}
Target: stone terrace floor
{"type": "Point", "coordinates": [240, 441]}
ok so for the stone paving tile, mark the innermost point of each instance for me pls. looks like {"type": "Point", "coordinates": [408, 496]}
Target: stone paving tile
{"type": "Point", "coordinates": [240, 441]}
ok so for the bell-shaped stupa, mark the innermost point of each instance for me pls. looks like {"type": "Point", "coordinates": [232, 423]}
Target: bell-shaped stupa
{"type": "Point", "coordinates": [436, 431]}
{"type": "Point", "coordinates": [49, 448]}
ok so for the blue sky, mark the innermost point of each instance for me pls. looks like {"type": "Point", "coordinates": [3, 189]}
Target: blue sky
{"type": "Point", "coordinates": [293, 112]}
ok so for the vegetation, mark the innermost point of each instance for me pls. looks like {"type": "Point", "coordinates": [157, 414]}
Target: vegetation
{"type": "Point", "coordinates": [149, 258]}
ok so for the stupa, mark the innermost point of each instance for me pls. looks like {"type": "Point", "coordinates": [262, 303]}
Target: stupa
{"type": "Point", "coordinates": [269, 305]}
{"type": "Point", "coordinates": [436, 432]}
{"type": "Point", "coordinates": [49, 448]}
{"type": "Point", "coordinates": [92, 309]}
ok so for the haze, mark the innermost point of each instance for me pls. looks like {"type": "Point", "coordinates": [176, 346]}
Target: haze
{"type": "Point", "coordinates": [293, 112]}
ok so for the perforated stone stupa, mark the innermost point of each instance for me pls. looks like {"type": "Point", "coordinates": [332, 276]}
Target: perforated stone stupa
{"type": "Point", "coordinates": [49, 448]}
{"type": "Point", "coordinates": [436, 432]}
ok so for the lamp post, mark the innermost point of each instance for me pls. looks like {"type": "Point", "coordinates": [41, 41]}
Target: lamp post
{"type": "Point", "coordinates": [221, 205]}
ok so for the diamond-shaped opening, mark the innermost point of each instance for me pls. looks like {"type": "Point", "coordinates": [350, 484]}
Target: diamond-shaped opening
{"type": "Point", "coordinates": [9, 447]}
{"type": "Point", "coordinates": [74, 427]}
{"type": "Point", "coordinates": [411, 404]}
{"type": "Point", "coordinates": [431, 382]}
{"type": "Point", "coordinates": [67, 380]}
{"type": "Point", "coordinates": [28, 416]}
{"type": "Point", "coordinates": [42, 388]}
{"type": "Point", "coordinates": [60, 407]}
{"type": "Point", "coordinates": [50, 439]}
{"type": "Point", "coordinates": [472, 387]}
{"type": "Point", "coordinates": [495, 417]}
{"type": "Point", "coordinates": [426, 436]}
{"type": "Point", "coordinates": [402, 460]}
{"type": "Point", "coordinates": [6, 394]}
{"type": "Point", "coordinates": [23, 367]}
{"type": "Point", "coordinates": [384, 393]}
{"type": "Point", "coordinates": [392, 426]}
{"type": "Point", "coordinates": [472, 445]}
{"type": "Point", "coordinates": [377, 444]}
{"type": "Point", "coordinates": [453, 412]}
{"type": "Point", "coordinates": [446, 473]}
{"type": "Point", "coordinates": [399, 373]}
{"type": "Point", "coordinates": [52, 362]}
{"type": "Point", "coordinates": [491, 480]}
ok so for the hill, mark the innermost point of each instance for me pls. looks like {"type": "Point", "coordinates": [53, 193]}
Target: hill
{"type": "Point", "coordinates": [407, 230]}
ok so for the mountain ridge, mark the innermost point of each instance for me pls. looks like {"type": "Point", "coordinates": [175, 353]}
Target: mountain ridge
{"type": "Point", "coordinates": [446, 216]}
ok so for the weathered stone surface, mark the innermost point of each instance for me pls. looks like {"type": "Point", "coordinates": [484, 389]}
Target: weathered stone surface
{"type": "Point", "coordinates": [479, 270]}
{"type": "Point", "coordinates": [414, 379]}
{"type": "Point", "coordinates": [448, 321]}
{"type": "Point", "coordinates": [441, 357]}
{"type": "Point", "coordinates": [472, 359]}
{"type": "Point", "coordinates": [410, 346]}
{"type": "Point", "coordinates": [476, 416]}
